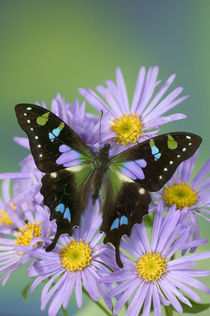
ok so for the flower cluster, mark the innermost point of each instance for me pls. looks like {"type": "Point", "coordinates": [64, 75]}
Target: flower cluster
{"type": "Point", "coordinates": [156, 271]}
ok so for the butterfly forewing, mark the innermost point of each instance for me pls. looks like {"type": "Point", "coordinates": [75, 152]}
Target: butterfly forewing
{"type": "Point", "coordinates": [50, 138]}
{"type": "Point", "coordinates": [67, 161]}
{"type": "Point", "coordinates": [153, 162]}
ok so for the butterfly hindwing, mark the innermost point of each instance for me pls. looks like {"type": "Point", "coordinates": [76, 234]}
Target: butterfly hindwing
{"type": "Point", "coordinates": [153, 162]}
{"type": "Point", "coordinates": [125, 203]}
{"type": "Point", "coordinates": [65, 193]}
{"type": "Point", "coordinates": [51, 140]}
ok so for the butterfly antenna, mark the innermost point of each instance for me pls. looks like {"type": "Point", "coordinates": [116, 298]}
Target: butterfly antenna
{"type": "Point", "coordinates": [100, 140]}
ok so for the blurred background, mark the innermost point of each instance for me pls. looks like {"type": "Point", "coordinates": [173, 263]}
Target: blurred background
{"type": "Point", "coordinates": [59, 46]}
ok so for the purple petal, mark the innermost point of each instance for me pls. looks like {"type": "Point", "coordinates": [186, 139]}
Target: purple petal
{"type": "Point", "coordinates": [78, 289]}
{"type": "Point", "coordinates": [138, 89]}
{"type": "Point", "coordinates": [156, 226]}
{"type": "Point", "coordinates": [70, 286]}
{"type": "Point", "coordinates": [122, 91]}
{"type": "Point", "coordinates": [125, 296]}
{"type": "Point", "coordinates": [201, 174]}
{"type": "Point", "coordinates": [90, 284]}
{"type": "Point", "coordinates": [191, 258]}
{"type": "Point", "coordinates": [156, 300]}
{"type": "Point", "coordinates": [159, 95]}
{"type": "Point", "coordinates": [137, 300]}
{"type": "Point", "coordinates": [168, 291]}
{"type": "Point", "coordinates": [22, 141]}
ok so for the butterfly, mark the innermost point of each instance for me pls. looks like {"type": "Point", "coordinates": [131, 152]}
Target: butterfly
{"type": "Point", "coordinates": [74, 173]}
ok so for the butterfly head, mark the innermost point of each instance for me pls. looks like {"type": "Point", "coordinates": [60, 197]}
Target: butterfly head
{"type": "Point", "coordinates": [106, 147]}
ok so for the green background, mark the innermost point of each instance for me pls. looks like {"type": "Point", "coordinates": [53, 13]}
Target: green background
{"type": "Point", "coordinates": [59, 46]}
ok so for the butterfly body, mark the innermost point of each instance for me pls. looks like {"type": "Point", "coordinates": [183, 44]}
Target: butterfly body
{"type": "Point", "coordinates": [101, 165]}
{"type": "Point", "coordinates": [74, 173]}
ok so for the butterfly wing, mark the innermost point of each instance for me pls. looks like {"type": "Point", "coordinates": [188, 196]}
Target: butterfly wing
{"type": "Point", "coordinates": [125, 203]}
{"type": "Point", "coordinates": [134, 173]}
{"type": "Point", "coordinates": [66, 192]}
{"type": "Point", "coordinates": [153, 162]}
{"type": "Point", "coordinates": [67, 161]}
{"type": "Point", "coordinates": [51, 140]}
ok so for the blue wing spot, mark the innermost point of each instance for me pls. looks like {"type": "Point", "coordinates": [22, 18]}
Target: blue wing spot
{"type": "Point", "coordinates": [56, 131]}
{"type": "Point", "coordinates": [60, 208]}
{"type": "Point", "coordinates": [155, 152]}
{"type": "Point", "coordinates": [115, 224]}
{"type": "Point", "coordinates": [157, 156]}
{"type": "Point", "coordinates": [67, 214]}
{"type": "Point", "coordinates": [124, 220]}
{"type": "Point", "coordinates": [51, 137]}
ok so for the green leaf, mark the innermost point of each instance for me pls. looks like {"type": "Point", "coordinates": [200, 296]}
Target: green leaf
{"type": "Point", "coordinates": [196, 307]}
{"type": "Point", "coordinates": [24, 292]}
{"type": "Point", "coordinates": [65, 313]}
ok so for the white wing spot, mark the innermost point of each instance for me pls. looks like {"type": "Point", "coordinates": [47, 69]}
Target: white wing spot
{"type": "Point", "coordinates": [188, 137]}
{"type": "Point", "coordinates": [160, 177]}
{"type": "Point", "coordinates": [25, 114]}
{"type": "Point", "coordinates": [184, 149]}
{"type": "Point", "coordinates": [53, 174]}
{"type": "Point", "coordinates": [36, 137]}
{"type": "Point", "coordinates": [190, 144]}
{"type": "Point", "coordinates": [171, 162]}
{"type": "Point", "coordinates": [39, 146]}
{"type": "Point", "coordinates": [141, 191]}
{"type": "Point", "coordinates": [40, 155]}
{"type": "Point", "coordinates": [165, 169]}
{"type": "Point", "coordinates": [28, 108]}
{"type": "Point", "coordinates": [28, 121]}
{"type": "Point", "coordinates": [31, 129]}
{"type": "Point", "coordinates": [178, 156]}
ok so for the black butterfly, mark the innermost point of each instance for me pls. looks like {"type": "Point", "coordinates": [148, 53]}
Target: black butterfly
{"type": "Point", "coordinates": [118, 181]}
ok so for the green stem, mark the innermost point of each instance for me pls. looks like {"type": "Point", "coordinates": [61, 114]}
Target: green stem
{"type": "Point", "coordinates": [97, 303]}
{"type": "Point", "coordinates": [168, 311]}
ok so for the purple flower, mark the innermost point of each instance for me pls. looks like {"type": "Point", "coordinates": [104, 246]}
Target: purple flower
{"type": "Point", "coordinates": [130, 124]}
{"type": "Point", "coordinates": [26, 186]}
{"type": "Point", "coordinates": [190, 196]}
{"type": "Point", "coordinates": [76, 260]}
{"type": "Point", "coordinates": [153, 275]}
{"type": "Point", "coordinates": [14, 247]}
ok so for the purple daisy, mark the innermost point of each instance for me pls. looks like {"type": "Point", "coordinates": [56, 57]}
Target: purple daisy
{"type": "Point", "coordinates": [25, 185]}
{"type": "Point", "coordinates": [14, 247]}
{"type": "Point", "coordinates": [153, 275]}
{"type": "Point", "coordinates": [76, 260]}
{"type": "Point", "coordinates": [190, 196]}
{"type": "Point", "coordinates": [142, 120]}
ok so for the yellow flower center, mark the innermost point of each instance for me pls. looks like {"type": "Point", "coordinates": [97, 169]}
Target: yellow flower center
{"type": "Point", "coordinates": [180, 194]}
{"type": "Point", "coordinates": [27, 233]}
{"type": "Point", "coordinates": [75, 255]}
{"type": "Point", "coordinates": [128, 128]}
{"type": "Point", "coordinates": [151, 266]}
{"type": "Point", "coordinates": [5, 219]}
